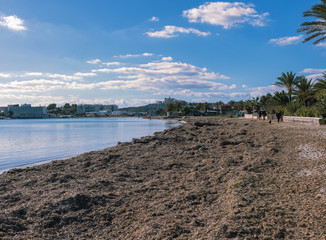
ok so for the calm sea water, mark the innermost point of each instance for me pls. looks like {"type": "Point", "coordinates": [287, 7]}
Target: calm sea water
{"type": "Point", "coordinates": [34, 141]}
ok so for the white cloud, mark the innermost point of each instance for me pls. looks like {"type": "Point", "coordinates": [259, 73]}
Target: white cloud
{"type": "Point", "coordinates": [315, 76]}
{"type": "Point", "coordinates": [112, 64]}
{"type": "Point", "coordinates": [44, 100]}
{"type": "Point", "coordinates": [244, 86]}
{"type": "Point", "coordinates": [5, 75]}
{"type": "Point", "coordinates": [94, 61]}
{"type": "Point", "coordinates": [42, 85]}
{"type": "Point", "coordinates": [64, 77]}
{"type": "Point", "coordinates": [323, 45]}
{"type": "Point", "coordinates": [286, 40]}
{"type": "Point", "coordinates": [226, 87]}
{"type": "Point", "coordinates": [314, 73]}
{"type": "Point", "coordinates": [167, 59]}
{"type": "Point", "coordinates": [33, 74]}
{"type": "Point", "coordinates": [204, 95]}
{"type": "Point", "coordinates": [12, 23]}
{"type": "Point", "coordinates": [313, 70]}
{"type": "Point", "coordinates": [155, 76]}
{"type": "Point", "coordinates": [155, 19]}
{"type": "Point", "coordinates": [136, 55]}
{"type": "Point", "coordinates": [79, 74]}
{"type": "Point", "coordinates": [151, 78]}
{"type": "Point", "coordinates": [171, 31]}
{"type": "Point", "coordinates": [226, 14]}
{"type": "Point", "coordinates": [76, 76]}
{"type": "Point", "coordinates": [259, 91]}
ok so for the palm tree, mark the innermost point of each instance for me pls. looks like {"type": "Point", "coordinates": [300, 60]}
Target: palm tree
{"type": "Point", "coordinates": [281, 98]}
{"type": "Point", "coordinates": [305, 90]}
{"type": "Point", "coordinates": [206, 106]}
{"type": "Point", "coordinates": [316, 28]}
{"type": "Point", "coordinates": [288, 81]}
{"type": "Point", "coordinates": [249, 106]}
{"type": "Point", "coordinates": [320, 85]}
{"type": "Point", "coordinates": [256, 104]}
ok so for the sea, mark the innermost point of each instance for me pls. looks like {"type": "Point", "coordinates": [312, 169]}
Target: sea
{"type": "Point", "coordinates": [28, 142]}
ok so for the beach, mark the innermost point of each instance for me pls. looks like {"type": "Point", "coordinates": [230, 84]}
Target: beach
{"type": "Point", "coordinates": [210, 178]}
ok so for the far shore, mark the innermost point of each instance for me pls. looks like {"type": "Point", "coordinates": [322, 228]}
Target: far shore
{"type": "Point", "coordinates": [211, 178]}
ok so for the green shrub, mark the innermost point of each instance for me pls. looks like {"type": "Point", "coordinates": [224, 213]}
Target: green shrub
{"type": "Point", "coordinates": [307, 112]}
{"type": "Point", "coordinates": [291, 108]}
{"type": "Point", "coordinates": [323, 121]}
{"type": "Point", "coordinates": [321, 107]}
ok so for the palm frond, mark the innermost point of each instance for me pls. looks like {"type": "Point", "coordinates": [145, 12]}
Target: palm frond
{"type": "Point", "coordinates": [316, 28]}
{"type": "Point", "coordinates": [312, 37]}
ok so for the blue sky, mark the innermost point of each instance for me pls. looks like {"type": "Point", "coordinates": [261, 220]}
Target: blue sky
{"type": "Point", "coordinates": [132, 53]}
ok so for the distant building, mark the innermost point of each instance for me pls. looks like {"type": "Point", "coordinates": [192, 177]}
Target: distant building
{"type": "Point", "coordinates": [119, 113]}
{"type": "Point", "coordinates": [166, 101]}
{"type": "Point", "coordinates": [96, 109]}
{"type": "Point", "coordinates": [152, 108]}
{"type": "Point", "coordinates": [2, 109]}
{"type": "Point", "coordinates": [25, 111]}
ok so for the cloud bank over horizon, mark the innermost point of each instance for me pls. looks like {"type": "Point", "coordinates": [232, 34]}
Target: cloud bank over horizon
{"type": "Point", "coordinates": [162, 77]}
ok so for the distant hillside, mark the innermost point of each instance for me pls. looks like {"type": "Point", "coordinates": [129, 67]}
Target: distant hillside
{"type": "Point", "coordinates": [150, 108]}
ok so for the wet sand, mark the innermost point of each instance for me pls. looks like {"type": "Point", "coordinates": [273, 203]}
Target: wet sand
{"type": "Point", "coordinates": [212, 178]}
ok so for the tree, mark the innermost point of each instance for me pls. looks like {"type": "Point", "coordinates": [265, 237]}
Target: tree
{"type": "Point", "coordinates": [320, 85]}
{"type": "Point", "coordinates": [160, 112]}
{"type": "Point", "coordinates": [288, 81]}
{"type": "Point", "coordinates": [66, 106]}
{"type": "Point", "coordinates": [317, 28]}
{"type": "Point", "coordinates": [206, 107]}
{"type": "Point", "coordinates": [280, 98]}
{"type": "Point", "coordinates": [255, 104]}
{"type": "Point", "coordinates": [241, 105]}
{"type": "Point", "coordinates": [178, 106]}
{"type": "Point", "coordinates": [305, 90]}
{"type": "Point", "coordinates": [231, 103]}
{"type": "Point", "coordinates": [186, 110]}
{"type": "Point", "coordinates": [51, 107]}
{"type": "Point", "coordinates": [217, 104]}
{"type": "Point", "coordinates": [265, 100]}
{"type": "Point", "coordinates": [170, 107]}
{"type": "Point", "coordinates": [248, 106]}
{"type": "Point", "coordinates": [199, 106]}
{"type": "Point", "coordinates": [74, 108]}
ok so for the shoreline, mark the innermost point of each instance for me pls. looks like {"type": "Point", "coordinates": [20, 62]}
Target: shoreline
{"type": "Point", "coordinates": [67, 155]}
{"type": "Point", "coordinates": [212, 178]}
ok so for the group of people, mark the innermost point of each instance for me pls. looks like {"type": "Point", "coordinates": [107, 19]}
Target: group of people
{"type": "Point", "coordinates": [263, 115]}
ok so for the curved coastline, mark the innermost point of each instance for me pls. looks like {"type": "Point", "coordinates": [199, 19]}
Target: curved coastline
{"type": "Point", "coordinates": [44, 140]}
{"type": "Point", "coordinates": [210, 178]}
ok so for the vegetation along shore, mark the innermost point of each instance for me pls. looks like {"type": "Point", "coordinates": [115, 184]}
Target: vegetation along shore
{"type": "Point", "coordinates": [211, 178]}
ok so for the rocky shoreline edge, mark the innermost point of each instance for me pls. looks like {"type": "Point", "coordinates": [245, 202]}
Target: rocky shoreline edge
{"type": "Point", "coordinates": [212, 178]}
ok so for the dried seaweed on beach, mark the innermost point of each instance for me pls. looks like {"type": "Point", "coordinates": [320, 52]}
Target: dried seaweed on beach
{"type": "Point", "coordinates": [211, 178]}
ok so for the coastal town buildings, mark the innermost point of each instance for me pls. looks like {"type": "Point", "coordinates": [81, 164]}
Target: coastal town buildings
{"type": "Point", "coordinates": [150, 108]}
{"type": "Point", "coordinates": [25, 111]}
{"type": "Point", "coordinates": [96, 109]}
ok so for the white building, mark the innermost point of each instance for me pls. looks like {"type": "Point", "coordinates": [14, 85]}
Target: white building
{"type": "Point", "coordinates": [25, 111]}
{"type": "Point", "coordinates": [96, 109]}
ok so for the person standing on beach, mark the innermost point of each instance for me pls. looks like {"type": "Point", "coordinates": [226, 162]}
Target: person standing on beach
{"type": "Point", "coordinates": [259, 114]}
{"type": "Point", "coordinates": [264, 115]}
{"type": "Point", "coordinates": [278, 115]}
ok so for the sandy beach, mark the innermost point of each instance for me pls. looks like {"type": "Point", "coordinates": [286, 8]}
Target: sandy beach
{"type": "Point", "coordinates": [211, 178]}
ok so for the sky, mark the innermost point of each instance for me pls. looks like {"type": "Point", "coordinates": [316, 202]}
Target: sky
{"type": "Point", "coordinates": [132, 53]}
